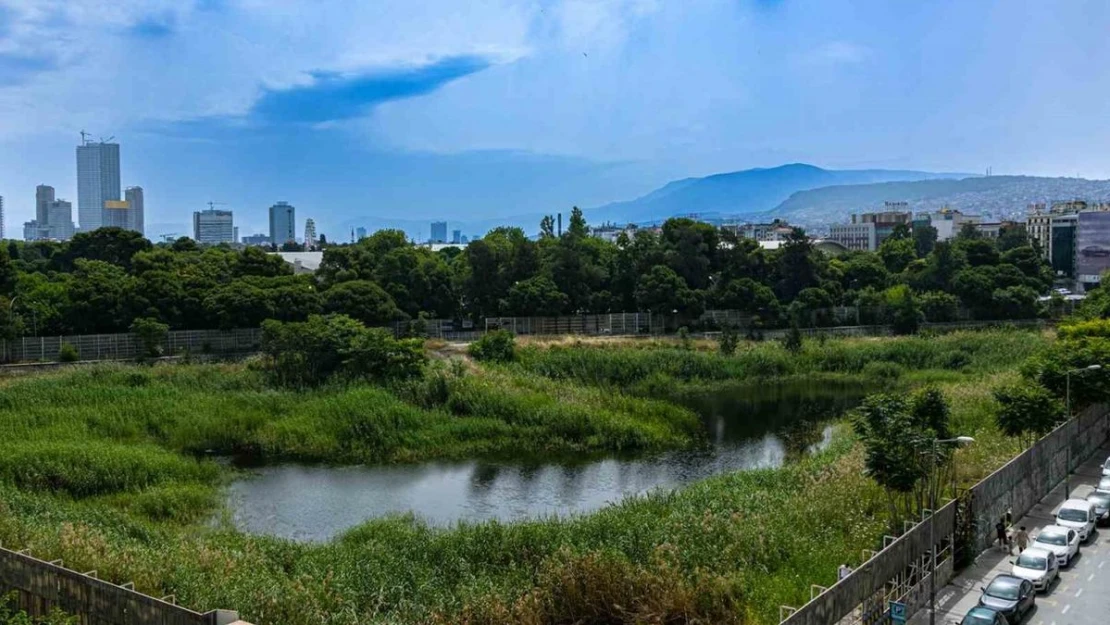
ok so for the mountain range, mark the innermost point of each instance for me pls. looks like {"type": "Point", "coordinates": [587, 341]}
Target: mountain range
{"type": "Point", "coordinates": [802, 194]}
{"type": "Point", "coordinates": [747, 192]}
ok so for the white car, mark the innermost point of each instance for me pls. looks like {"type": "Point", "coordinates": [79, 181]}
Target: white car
{"type": "Point", "coordinates": [1039, 566]}
{"type": "Point", "coordinates": [1106, 468]}
{"type": "Point", "coordinates": [1079, 515]}
{"type": "Point", "coordinates": [1060, 541]}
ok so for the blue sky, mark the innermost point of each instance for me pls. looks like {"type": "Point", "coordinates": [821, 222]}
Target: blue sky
{"type": "Point", "coordinates": [403, 111]}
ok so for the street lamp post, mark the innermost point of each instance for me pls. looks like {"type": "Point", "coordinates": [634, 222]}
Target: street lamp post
{"type": "Point", "coordinates": [1067, 404]}
{"type": "Point", "coordinates": [959, 440]}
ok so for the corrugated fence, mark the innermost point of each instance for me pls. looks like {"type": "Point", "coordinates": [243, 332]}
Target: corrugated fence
{"type": "Point", "coordinates": [127, 346]}
{"type": "Point", "coordinates": [42, 586]}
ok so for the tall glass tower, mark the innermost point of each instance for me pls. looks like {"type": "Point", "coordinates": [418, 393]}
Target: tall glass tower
{"type": "Point", "coordinates": [97, 182]}
{"type": "Point", "coordinates": [282, 226]}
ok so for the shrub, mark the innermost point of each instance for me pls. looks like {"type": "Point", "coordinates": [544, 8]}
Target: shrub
{"type": "Point", "coordinates": [495, 346]}
{"type": "Point", "coordinates": [151, 334]}
{"type": "Point", "coordinates": [68, 353]}
{"type": "Point", "coordinates": [882, 371]}
{"type": "Point", "coordinates": [311, 352]}
{"type": "Point", "coordinates": [729, 340]}
{"type": "Point", "coordinates": [793, 340]}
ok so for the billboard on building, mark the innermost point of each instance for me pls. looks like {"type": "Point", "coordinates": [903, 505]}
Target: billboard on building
{"type": "Point", "coordinates": [1092, 246]}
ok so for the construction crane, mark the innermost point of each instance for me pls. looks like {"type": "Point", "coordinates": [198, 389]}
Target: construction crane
{"type": "Point", "coordinates": [169, 237]}
{"type": "Point", "coordinates": [84, 138]}
{"type": "Point", "coordinates": [212, 205]}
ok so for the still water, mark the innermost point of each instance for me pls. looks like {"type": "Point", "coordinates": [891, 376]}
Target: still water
{"type": "Point", "coordinates": [745, 430]}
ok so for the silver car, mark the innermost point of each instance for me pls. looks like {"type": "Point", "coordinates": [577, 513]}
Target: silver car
{"type": "Point", "coordinates": [1039, 566]}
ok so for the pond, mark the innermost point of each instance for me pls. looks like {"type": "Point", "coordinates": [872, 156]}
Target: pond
{"type": "Point", "coordinates": [746, 430]}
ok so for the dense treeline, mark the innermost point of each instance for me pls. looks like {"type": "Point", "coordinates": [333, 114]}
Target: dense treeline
{"type": "Point", "coordinates": [101, 281]}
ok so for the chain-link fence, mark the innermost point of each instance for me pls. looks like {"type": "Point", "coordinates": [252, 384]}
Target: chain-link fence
{"type": "Point", "coordinates": [616, 324]}
{"type": "Point", "coordinates": [128, 346]}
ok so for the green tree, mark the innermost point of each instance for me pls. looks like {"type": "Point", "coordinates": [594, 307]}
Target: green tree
{"type": "Point", "coordinates": [111, 245]}
{"type": "Point", "coordinates": [100, 297]}
{"type": "Point", "coordinates": [748, 296]}
{"type": "Point", "coordinates": [1027, 411]}
{"type": "Point", "coordinates": [893, 442]}
{"type": "Point", "coordinates": [798, 266]}
{"type": "Point", "coordinates": [536, 297]}
{"type": "Point", "coordinates": [690, 249]}
{"type": "Point", "coordinates": [924, 239]}
{"type": "Point", "coordinates": [363, 301]}
{"type": "Point", "coordinates": [1011, 237]}
{"type": "Point", "coordinates": [862, 271]}
{"type": "Point", "coordinates": [662, 290]}
{"type": "Point", "coordinates": [939, 307]}
{"type": "Point", "coordinates": [547, 227]}
{"type": "Point", "coordinates": [897, 254]}
{"type": "Point", "coordinates": [729, 340]}
{"type": "Point", "coordinates": [152, 335]}
{"type": "Point", "coordinates": [494, 346]}
{"type": "Point", "coordinates": [905, 314]}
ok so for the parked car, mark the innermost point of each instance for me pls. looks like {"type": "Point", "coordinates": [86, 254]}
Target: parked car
{"type": "Point", "coordinates": [1103, 485]}
{"type": "Point", "coordinates": [1106, 468]}
{"type": "Point", "coordinates": [1079, 515]}
{"type": "Point", "coordinates": [1102, 506]}
{"type": "Point", "coordinates": [1038, 566]}
{"type": "Point", "coordinates": [1013, 597]}
{"type": "Point", "coordinates": [1060, 541]}
{"type": "Point", "coordinates": [983, 616]}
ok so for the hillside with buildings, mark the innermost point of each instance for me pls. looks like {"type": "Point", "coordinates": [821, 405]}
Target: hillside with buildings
{"type": "Point", "coordinates": [994, 197]}
{"type": "Point", "coordinates": [746, 192]}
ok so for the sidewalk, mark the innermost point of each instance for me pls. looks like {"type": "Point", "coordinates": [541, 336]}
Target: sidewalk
{"type": "Point", "coordinates": [1065, 603]}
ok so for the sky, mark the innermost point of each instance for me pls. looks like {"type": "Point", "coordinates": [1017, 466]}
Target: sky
{"type": "Point", "coordinates": [398, 112]}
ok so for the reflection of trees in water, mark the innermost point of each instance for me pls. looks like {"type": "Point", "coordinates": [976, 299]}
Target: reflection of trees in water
{"type": "Point", "coordinates": [799, 437]}
{"type": "Point", "coordinates": [751, 412]}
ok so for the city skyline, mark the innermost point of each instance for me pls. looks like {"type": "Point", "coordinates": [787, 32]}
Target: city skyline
{"type": "Point", "coordinates": [518, 108]}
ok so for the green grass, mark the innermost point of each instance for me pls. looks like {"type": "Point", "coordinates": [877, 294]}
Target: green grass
{"type": "Point", "coordinates": [98, 467]}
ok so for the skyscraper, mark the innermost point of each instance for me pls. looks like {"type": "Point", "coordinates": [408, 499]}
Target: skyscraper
{"type": "Point", "coordinates": [98, 181]}
{"type": "Point", "coordinates": [282, 223]}
{"type": "Point", "coordinates": [117, 214]}
{"type": "Point", "coordinates": [59, 221]}
{"type": "Point", "coordinates": [2, 232]}
{"type": "Point", "coordinates": [439, 232]}
{"type": "Point", "coordinates": [456, 236]}
{"type": "Point", "coordinates": [309, 234]}
{"type": "Point", "coordinates": [44, 195]}
{"type": "Point", "coordinates": [213, 226]}
{"type": "Point", "coordinates": [134, 197]}
{"type": "Point", "coordinates": [360, 233]}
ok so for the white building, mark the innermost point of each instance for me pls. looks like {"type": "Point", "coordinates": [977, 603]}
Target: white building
{"type": "Point", "coordinates": [98, 181]}
{"type": "Point", "coordinates": [213, 226]}
{"type": "Point", "coordinates": [855, 236]}
{"type": "Point", "coordinates": [948, 222]}
{"type": "Point", "coordinates": [309, 234]}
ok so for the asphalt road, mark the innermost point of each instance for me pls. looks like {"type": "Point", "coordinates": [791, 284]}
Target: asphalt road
{"type": "Point", "coordinates": [1082, 594]}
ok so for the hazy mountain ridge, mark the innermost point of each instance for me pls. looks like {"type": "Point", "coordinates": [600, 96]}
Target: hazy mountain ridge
{"type": "Point", "coordinates": [747, 192]}
{"type": "Point", "coordinates": [995, 197]}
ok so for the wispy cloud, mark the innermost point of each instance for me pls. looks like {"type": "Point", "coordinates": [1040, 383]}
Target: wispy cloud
{"type": "Point", "coordinates": [154, 26]}
{"type": "Point", "coordinates": [17, 68]}
{"type": "Point", "coordinates": [836, 53]}
{"type": "Point", "coordinates": [330, 96]}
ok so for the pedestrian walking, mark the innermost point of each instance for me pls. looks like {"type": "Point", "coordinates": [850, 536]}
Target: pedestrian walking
{"type": "Point", "coordinates": [1022, 539]}
{"type": "Point", "coordinates": [1000, 530]}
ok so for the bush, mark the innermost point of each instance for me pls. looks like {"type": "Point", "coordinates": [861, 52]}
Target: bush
{"type": "Point", "coordinates": [495, 346]}
{"type": "Point", "coordinates": [729, 340]}
{"type": "Point", "coordinates": [883, 371]}
{"type": "Point", "coordinates": [68, 353]}
{"type": "Point", "coordinates": [793, 340]}
{"type": "Point", "coordinates": [311, 352]}
{"type": "Point", "coordinates": [151, 334]}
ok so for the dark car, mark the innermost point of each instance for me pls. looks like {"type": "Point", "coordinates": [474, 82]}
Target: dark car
{"type": "Point", "coordinates": [983, 616]}
{"type": "Point", "coordinates": [1102, 506]}
{"type": "Point", "coordinates": [1011, 596]}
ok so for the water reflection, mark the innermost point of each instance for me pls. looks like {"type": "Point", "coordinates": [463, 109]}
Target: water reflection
{"type": "Point", "coordinates": [747, 430]}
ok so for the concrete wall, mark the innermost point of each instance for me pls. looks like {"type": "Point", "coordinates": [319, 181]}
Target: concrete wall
{"type": "Point", "coordinates": [1029, 477]}
{"type": "Point", "coordinates": [872, 576]}
{"type": "Point", "coordinates": [41, 586]}
{"type": "Point", "coordinates": [1017, 486]}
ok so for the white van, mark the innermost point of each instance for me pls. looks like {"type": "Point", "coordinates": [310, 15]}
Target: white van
{"type": "Point", "coordinates": [1079, 515]}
